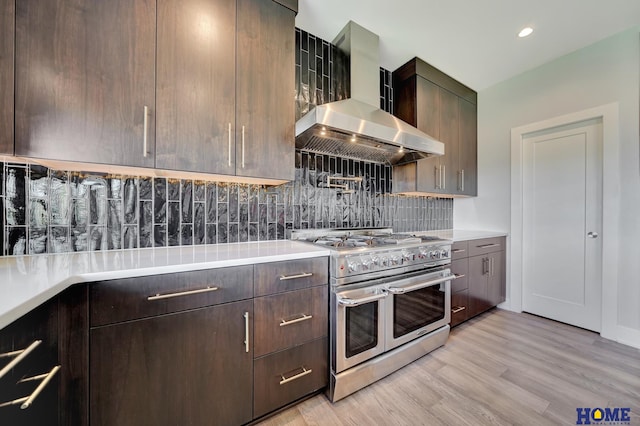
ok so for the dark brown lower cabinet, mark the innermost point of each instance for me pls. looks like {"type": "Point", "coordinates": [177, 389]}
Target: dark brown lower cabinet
{"type": "Point", "coordinates": [188, 368]}
{"type": "Point", "coordinates": [283, 377]}
{"type": "Point", "coordinates": [37, 335]}
{"type": "Point", "coordinates": [486, 282]}
{"type": "Point", "coordinates": [459, 307]}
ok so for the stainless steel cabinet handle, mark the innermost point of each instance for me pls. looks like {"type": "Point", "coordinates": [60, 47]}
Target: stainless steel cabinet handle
{"type": "Point", "coordinates": [592, 235]}
{"type": "Point", "coordinates": [459, 276]}
{"type": "Point", "coordinates": [436, 174]}
{"type": "Point", "coordinates": [145, 132]}
{"type": "Point", "coordinates": [491, 266]}
{"type": "Point", "coordinates": [457, 309]}
{"type": "Point", "coordinates": [489, 245]}
{"type": "Point", "coordinates": [182, 293]}
{"type": "Point", "coordinates": [458, 251]}
{"type": "Point", "coordinates": [401, 290]}
{"type": "Point", "coordinates": [444, 176]}
{"type": "Point", "coordinates": [356, 302]}
{"type": "Point", "coordinates": [462, 180]}
{"type": "Point", "coordinates": [293, 277]}
{"type": "Point", "coordinates": [485, 265]}
{"type": "Point", "coordinates": [297, 376]}
{"type": "Point", "coordinates": [246, 331]}
{"type": "Point", "coordinates": [28, 400]}
{"type": "Point", "coordinates": [229, 144]}
{"type": "Point", "coordinates": [243, 147]}
{"type": "Point", "coordinates": [304, 317]}
{"type": "Point", "coordinates": [19, 356]}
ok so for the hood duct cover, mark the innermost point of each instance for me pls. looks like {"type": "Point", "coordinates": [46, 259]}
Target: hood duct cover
{"type": "Point", "coordinates": [357, 128]}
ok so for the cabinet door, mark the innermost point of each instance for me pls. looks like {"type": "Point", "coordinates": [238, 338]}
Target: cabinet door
{"type": "Point", "coordinates": [7, 26]}
{"type": "Point", "coordinates": [449, 135]}
{"type": "Point", "coordinates": [85, 71]}
{"type": "Point", "coordinates": [428, 120]}
{"type": "Point", "coordinates": [459, 307]}
{"type": "Point", "coordinates": [41, 325]}
{"type": "Point", "coordinates": [496, 286]}
{"type": "Point", "coordinates": [468, 149]}
{"type": "Point", "coordinates": [478, 271]}
{"type": "Point", "coordinates": [265, 115]}
{"type": "Point", "coordinates": [190, 368]}
{"type": "Point", "coordinates": [196, 85]}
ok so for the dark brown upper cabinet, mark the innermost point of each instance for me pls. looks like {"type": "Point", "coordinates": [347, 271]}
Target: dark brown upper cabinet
{"type": "Point", "coordinates": [85, 80]}
{"type": "Point", "coordinates": [224, 109]}
{"type": "Point", "coordinates": [447, 110]}
{"type": "Point", "coordinates": [7, 31]}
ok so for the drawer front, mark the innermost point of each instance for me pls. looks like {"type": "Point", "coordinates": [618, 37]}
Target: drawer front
{"type": "Point", "coordinates": [278, 277]}
{"type": "Point", "coordinates": [459, 250]}
{"type": "Point", "coordinates": [459, 307]}
{"type": "Point", "coordinates": [460, 268]}
{"type": "Point", "coordinates": [486, 245]}
{"type": "Point", "coordinates": [285, 376]}
{"type": "Point", "coordinates": [132, 298]}
{"type": "Point", "coordinates": [289, 319]}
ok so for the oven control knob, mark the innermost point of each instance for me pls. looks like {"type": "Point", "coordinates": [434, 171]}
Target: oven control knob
{"type": "Point", "coordinates": [353, 266]}
{"type": "Point", "coordinates": [384, 261]}
{"type": "Point", "coordinates": [395, 260]}
{"type": "Point", "coordinates": [375, 260]}
{"type": "Point", "coordinates": [444, 253]}
{"type": "Point", "coordinates": [423, 253]}
{"type": "Point", "coordinates": [367, 262]}
{"type": "Point", "coordinates": [406, 256]}
{"type": "Point", "coordinates": [434, 254]}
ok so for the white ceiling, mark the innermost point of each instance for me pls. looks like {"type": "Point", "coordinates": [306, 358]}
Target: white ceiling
{"type": "Point", "coordinates": [474, 41]}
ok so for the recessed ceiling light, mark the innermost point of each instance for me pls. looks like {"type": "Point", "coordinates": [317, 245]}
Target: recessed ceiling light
{"type": "Point", "coordinates": [525, 32]}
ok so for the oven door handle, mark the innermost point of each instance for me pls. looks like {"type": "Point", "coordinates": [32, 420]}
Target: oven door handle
{"type": "Point", "coordinates": [401, 290]}
{"type": "Point", "coordinates": [361, 301]}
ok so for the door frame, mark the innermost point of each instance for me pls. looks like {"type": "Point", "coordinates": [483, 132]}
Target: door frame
{"type": "Point", "coordinates": [610, 211]}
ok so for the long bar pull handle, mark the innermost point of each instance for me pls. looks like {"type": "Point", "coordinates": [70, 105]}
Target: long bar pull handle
{"type": "Point", "coordinates": [246, 331]}
{"type": "Point", "coordinates": [229, 144]}
{"type": "Point", "coordinates": [444, 176]}
{"type": "Point", "coordinates": [491, 265]}
{"type": "Point", "coordinates": [485, 267]}
{"type": "Point", "coordinates": [401, 290]}
{"type": "Point", "coordinates": [457, 309]}
{"type": "Point", "coordinates": [182, 293]}
{"type": "Point", "coordinates": [489, 245]}
{"type": "Point", "coordinates": [436, 173]}
{"type": "Point", "coordinates": [145, 132]}
{"type": "Point", "coordinates": [304, 317]}
{"type": "Point", "coordinates": [462, 180]}
{"type": "Point", "coordinates": [19, 356]}
{"type": "Point", "coordinates": [458, 251]}
{"type": "Point", "coordinates": [355, 302]}
{"type": "Point", "coordinates": [293, 277]}
{"type": "Point", "coordinates": [297, 376]}
{"type": "Point", "coordinates": [28, 400]}
{"type": "Point", "coordinates": [459, 276]}
{"type": "Point", "coordinates": [243, 147]}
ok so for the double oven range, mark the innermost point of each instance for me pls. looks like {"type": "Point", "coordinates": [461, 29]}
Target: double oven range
{"type": "Point", "coordinates": [390, 301]}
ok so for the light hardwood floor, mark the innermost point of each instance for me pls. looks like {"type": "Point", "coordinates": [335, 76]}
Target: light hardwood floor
{"type": "Point", "coordinates": [500, 368]}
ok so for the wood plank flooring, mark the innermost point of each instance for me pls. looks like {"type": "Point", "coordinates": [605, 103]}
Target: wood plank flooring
{"type": "Point", "coordinates": [501, 368]}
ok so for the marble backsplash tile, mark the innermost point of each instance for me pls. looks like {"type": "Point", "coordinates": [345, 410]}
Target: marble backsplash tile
{"type": "Point", "coordinates": [53, 211]}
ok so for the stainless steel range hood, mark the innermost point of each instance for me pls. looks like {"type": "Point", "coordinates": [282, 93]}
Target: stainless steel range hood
{"type": "Point", "coordinates": [357, 128]}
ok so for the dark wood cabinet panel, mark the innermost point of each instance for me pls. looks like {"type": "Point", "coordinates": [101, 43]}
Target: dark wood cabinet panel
{"type": "Point", "coordinates": [450, 136]}
{"type": "Point", "coordinates": [41, 324]}
{"type": "Point", "coordinates": [285, 376]}
{"type": "Point", "coordinates": [280, 320]}
{"type": "Point", "coordinates": [459, 307]}
{"type": "Point", "coordinates": [128, 298]}
{"type": "Point", "coordinates": [478, 284]}
{"type": "Point", "coordinates": [265, 115]}
{"type": "Point", "coordinates": [496, 287]}
{"type": "Point", "coordinates": [459, 250]}
{"type": "Point", "coordinates": [468, 149]}
{"type": "Point", "coordinates": [7, 34]}
{"type": "Point", "coordinates": [196, 85]}
{"type": "Point", "coordinates": [85, 71]}
{"type": "Point", "coordinates": [460, 268]}
{"type": "Point", "coordinates": [278, 277]}
{"type": "Point", "coordinates": [190, 368]}
{"type": "Point", "coordinates": [428, 107]}
{"type": "Point", "coordinates": [486, 246]}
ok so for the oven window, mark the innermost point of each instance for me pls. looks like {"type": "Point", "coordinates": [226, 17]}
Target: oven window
{"type": "Point", "coordinates": [361, 328]}
{"type": "Point", "coordinates": [417, 309]}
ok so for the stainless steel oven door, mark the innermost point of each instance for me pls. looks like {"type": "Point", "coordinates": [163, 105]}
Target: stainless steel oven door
{"type": "Point", "coordinates": [416, 306]}
{"type": "Point", "coordinates": [360, 317]}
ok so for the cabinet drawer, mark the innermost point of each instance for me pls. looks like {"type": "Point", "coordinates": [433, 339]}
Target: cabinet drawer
{"type": "Point", "coordinates": [486, 245]}
{"type": "Point", "coordinates": [460, 268]}
{"type": "Point", "coordinates": [285, 376]}
{"type": "Point", "coordinates": [278, 277]}
{"type": "Point", "coordinates": [459, 250]}
{"type": "Point", "coordinates": [132, 298]}
{"type": "Point", "coordinates": [459, 307]}
{"type": "Point", "coordinates": [288, 319]}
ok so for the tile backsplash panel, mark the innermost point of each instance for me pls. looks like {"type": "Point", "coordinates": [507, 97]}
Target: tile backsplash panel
{"type": "Point", "coordinates": [55, 211]}
{"type": "Point", "coordinates": [51, 211]}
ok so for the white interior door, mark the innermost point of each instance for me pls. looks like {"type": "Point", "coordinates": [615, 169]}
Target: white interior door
{"type": "Point", "coordinates": [562, 203]}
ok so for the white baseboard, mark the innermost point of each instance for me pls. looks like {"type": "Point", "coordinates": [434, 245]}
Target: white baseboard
{"type": "Point", "coordinates": [628, 336]}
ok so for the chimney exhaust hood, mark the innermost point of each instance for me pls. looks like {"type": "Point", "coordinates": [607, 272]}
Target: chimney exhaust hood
{"type": "Point", "coordinates": [357, 128]}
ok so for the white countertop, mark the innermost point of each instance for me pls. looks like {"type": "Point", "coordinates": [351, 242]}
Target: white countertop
{"type": "Point", "coordinates": [28, 281]}
{"type": "Point", "coordinates": [462, 234]}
